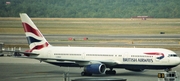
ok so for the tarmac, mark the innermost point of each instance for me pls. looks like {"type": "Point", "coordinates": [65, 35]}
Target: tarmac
{"type": "Point", "coordinates": [23, 69]}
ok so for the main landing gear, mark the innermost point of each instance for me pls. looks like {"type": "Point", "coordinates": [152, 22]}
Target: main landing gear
{"type": "Point", "coordinates": [168, 69]}
{"type": "Point", "coordinates": [86, 74]}
{"type": "Point", "coordinates": [110, 72]}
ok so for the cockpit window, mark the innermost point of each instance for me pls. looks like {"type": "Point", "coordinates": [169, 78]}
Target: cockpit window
{"type": "Point", "coordinates": [172, 55]}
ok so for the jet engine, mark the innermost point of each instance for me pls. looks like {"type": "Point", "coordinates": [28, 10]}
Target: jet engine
{"type": "Point", "coordinates": [95, 68]}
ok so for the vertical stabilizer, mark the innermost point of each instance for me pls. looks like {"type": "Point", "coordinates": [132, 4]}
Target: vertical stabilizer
{"type": "Point", "coordinates": [34, 37]}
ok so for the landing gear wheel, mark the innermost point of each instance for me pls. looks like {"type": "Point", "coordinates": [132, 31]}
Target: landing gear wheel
{"type": "Point", "coordinates": [168, 69]}
{"type": "Point", "coordinates": [82, 73]}
{"type": "Point", "coordinates": [86, 74]}
{"type": "Point", "coordinates": [113, 72]}
{"type": "Point", "coordinates": [110, 72]}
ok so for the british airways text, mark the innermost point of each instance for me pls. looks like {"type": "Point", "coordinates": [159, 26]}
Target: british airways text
{"type": "Point", "coordinates": [137, 60]}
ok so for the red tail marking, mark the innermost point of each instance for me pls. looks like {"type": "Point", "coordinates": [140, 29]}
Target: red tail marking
{"type": "Point", "coordinates": [38, 47]}
{"type": "Point", "coordinates": [28, 52]}
{"type": "Point", "coordinates": [28, 28]}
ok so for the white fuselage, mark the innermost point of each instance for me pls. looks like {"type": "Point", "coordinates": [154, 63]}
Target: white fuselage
{"type": "Point", "coordinates": [111, 55]}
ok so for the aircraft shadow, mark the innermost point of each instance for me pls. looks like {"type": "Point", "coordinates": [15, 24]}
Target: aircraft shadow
{"type": "Point", "coordinates": [78, 74]}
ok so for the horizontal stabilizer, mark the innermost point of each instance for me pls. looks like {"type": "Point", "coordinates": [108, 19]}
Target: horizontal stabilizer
{"type": "Point", "coordinates": [25, 53]}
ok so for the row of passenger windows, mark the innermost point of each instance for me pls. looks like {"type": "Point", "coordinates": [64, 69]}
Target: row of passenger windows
{"type": "Point", "coordinates": [170, 55]}
{"type": "Point", "coordinates": [99, 55]}
{"type": "Point", "coordinates": [67, 54]}
{"type": "Point", "coordinates": [141, 56]}
{"type": "Point", "coordinates": [87, 54]}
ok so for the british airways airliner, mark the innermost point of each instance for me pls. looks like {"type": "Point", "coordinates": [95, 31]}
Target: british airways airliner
{"type": "Point", "coordinates": [95, 60]}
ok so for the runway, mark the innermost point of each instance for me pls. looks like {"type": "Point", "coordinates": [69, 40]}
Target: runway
{"type": "Point", "coordinates": [21, 69]}
{"type": "Point", "coordinates": [159, 40]}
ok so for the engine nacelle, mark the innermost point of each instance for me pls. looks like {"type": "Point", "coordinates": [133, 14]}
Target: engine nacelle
{"type": "Point", "coordinates": [95, 68]}
{"type": "Point", "coordinates": [136, 70]}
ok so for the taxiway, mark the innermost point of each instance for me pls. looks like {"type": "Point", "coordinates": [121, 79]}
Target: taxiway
{"type": "Point", "coordinates": [22, 69]}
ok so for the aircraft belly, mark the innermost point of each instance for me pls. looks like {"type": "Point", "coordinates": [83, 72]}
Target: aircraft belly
{"type": "Point", "coordinates": [140, 66]}
{"type": "Point", "coordinates": [63, 64]}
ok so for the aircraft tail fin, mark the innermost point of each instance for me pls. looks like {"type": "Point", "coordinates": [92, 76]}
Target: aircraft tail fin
{"type": "Point", "coordinates": [34, 37]}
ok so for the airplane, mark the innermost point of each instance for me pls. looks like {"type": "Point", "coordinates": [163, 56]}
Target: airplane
{"type": "Point", "coordinates": [95, 60]}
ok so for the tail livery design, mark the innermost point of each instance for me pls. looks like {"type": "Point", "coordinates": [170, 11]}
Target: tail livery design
{"type": "Point", "coordinates": [34, 37]}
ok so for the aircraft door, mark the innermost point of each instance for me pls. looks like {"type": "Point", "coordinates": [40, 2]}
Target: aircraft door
{"type": "Point", "coordinates": [49, 54]}
{"type": "Point", "coordinates": [83, 55]}
{"type": "Point", "coordinates": [126, 55]}
{"type": "Point", "coordinates": [165, 60]}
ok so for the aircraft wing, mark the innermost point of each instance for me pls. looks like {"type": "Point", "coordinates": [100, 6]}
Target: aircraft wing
{"type": "Point", "coordinates": [78, 63]}
{"type": "Point", "coordinates": [25, 53]}
{"type": "Point", "coordinates": [62, 63]}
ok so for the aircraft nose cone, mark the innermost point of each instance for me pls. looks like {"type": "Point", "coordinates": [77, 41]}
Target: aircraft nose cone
{"type": "Point", "coordinates": [179, 60]}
